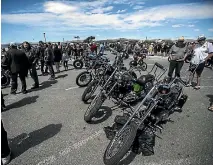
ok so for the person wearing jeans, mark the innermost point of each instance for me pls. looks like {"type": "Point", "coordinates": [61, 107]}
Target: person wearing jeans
{"type": "Point", "coordinates": [49, 59]}
{"type": "Point", "coordinates": [5, 149]}
{"type": "Point", "coordinates": [177, 54]}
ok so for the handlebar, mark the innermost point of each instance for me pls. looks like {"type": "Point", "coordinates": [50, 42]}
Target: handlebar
{"type": "Point", "coordinates": [160, 66]}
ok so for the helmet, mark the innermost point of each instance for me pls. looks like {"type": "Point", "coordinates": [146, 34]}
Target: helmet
{"type": "Point", "coordinates": [163, 89]}
{"type": "Point", "coordinates": [181, 39]}
{"type": "Point", "coordinates": [201, 38]}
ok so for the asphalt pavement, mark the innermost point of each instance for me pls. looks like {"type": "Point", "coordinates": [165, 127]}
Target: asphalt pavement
{"type": "Point", "coordinates": [46, 126]}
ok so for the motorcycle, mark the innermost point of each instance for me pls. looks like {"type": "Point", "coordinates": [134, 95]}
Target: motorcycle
{"type": "Point", "coordinates": [102, 78]}
{"type": "Point", "coordinates": [5, 77]}
{"type": "Point", "coordinates": [136, 130]}
{"type": "Point", "coordinates": [138, 60]}
{"type": "Point", "coordinates": [209, 62]}
{"type": "Point", "coordinates": [88, 59]}
{"type": "Point", "coordinates": [123, 87]}
{"type": "Point", "coordinates": [92, 71]}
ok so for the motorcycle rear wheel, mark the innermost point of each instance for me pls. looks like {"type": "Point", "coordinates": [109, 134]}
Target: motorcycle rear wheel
{"type": "Point", "coordinates": [123, 141]}
{"type": "Point", "coordinates": [78, 64]}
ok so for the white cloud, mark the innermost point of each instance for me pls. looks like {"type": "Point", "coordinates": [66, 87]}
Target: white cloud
{"type": "Point", "coordinates": [179, 11]}
{"type": "Point", "coordinates": [177, 25]}
{"type": "Point", "coordinates": [121, 11]}
{"type": "Point", "coordinates": [86, 15]}
{"type": "Point", "coordinates": [211, 30]}
{"type": "Point", "coordinates": [138, 7]}
{"type": "Point", "coordinates": [102, 10]}
{"type": "Point", "coordinates": [191, 25]}
{"type": "Point", "coordinates": [58, 8]}
{"type": "Point", "coordinates": [197, 30]}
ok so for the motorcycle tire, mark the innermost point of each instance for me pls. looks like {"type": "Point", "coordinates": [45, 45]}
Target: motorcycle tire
{"type": "Point", "coordinates": [127, 138]}
{"type": "Point", "coordinates": [81, 76]}
{"type": "Point", "coordinates": [5, 80]}
{"type": "Point", "coordinates": [143, 65]}
{"type": "Point", "coordinates": [78, 64]}
{"type": "Point", "coordinates": [94, 107]}
{"type": "Point", "coordinates": [207, 64]}
{"type": "Point", "coordinates": [89, 91]}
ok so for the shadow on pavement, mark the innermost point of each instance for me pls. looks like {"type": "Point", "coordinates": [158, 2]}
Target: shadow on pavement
{"type": "Point", "coordinates": [25, 141]}
{"type": "Point", "coordinates": [103, 114]}
{"type": "Point", "coordinates": [128, 159]}
{"type": "Point", "coordinates": [22, 102]}
{"type": "Point", "coordinates": [44, 85]}
{"type": "Point", "coordinates": [65, 70]}
{"type": "Point", "coordinates": [61, 76]}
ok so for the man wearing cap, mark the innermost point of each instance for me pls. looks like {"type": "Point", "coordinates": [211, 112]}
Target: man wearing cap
{"type": "Point", "coordinates": [33, 59]}
{"type": "Point", "coordinates": [18, 63]}
{"type": "Point", "coordinates": [177, 55]}
{"type": "Point", "coordinates": [202, 52]}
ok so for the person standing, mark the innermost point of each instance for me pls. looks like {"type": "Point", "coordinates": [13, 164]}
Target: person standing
{"type": "Point", "coordinates": [49, 59]}
{"type": "Point", "coordinates": [177, 55]}
{"type": "Point", "coordinates": [57, 57]}
{"type": "Point", "coordinates": [33, 59]}
{"type": "Point", "coordinates": [40, 54]}
{"type": "Point", "coordinates": [202, 52]}
{"type": "Point", "coordinates": [65, 59]}
{"type": "Point", "coordinates": [18, 64]}
{"type": "Point", "coordinates": [101, 48]}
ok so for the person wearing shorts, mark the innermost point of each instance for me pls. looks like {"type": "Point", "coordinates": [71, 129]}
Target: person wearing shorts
{"type": "Point", "coordinates": [202, 52]}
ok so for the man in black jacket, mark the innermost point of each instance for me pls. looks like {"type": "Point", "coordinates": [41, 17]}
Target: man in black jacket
{"type": "Point", "coordinates": [33, 59]}
{"type": "Point", "coordinates": [40, 54]}
{"type": "Point", "coordinates": [18, 63]}
{"type": "Point", "coordinates": [49, 59]}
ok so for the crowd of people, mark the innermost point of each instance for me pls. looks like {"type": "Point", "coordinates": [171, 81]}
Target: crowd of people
{"type": "Point", "coordinates": [23, 59]}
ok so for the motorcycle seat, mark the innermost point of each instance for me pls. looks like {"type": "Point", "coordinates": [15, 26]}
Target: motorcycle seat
{"type": "Point", "coordinates": [142, 80]}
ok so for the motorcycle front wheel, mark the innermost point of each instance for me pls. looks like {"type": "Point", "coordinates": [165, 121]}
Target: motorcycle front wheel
{"type": "Point", "coordinates": [143, 65]}
{"type": "Point", "coordinates": [94, 107]}
{"type": "Point", "coordinates": [83, 79]}
{"type": "Point", "coordinates": [120, 145]}
{"type": "Point", "coordinates": [89, 91]}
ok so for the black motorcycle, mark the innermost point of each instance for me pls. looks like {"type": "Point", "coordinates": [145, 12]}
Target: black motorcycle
{"type": "Point", "coordinates": [102, 76]}
{"type": "Point", "coordinates": [88, 60]}
{"type": "Point", "coordinates": [5, 76]}
{"type": "Point", "coordinates": [93, 70]}
{"type": "Point", "coordinates": [136, 130]}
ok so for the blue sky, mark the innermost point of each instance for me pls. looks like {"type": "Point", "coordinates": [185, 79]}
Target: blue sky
{"type": "Point", "coordinates": [137, 19]}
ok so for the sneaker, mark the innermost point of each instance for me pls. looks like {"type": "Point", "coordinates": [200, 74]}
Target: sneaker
{"type": "Point", "coordinates": [35, 86]}
{"type": "Point", "coordinates": [25, 92]}
{"type": "Point", "coordinates": [6, 160]}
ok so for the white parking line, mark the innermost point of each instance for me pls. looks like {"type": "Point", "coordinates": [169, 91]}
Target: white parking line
{"type": "Point", "coordinates": [67, 150]}
{"type": "Point", "coordinates": [71, 88]}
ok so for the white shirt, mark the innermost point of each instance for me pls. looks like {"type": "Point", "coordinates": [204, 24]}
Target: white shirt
{"type": "Point", "coordinates": [201, 52]}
